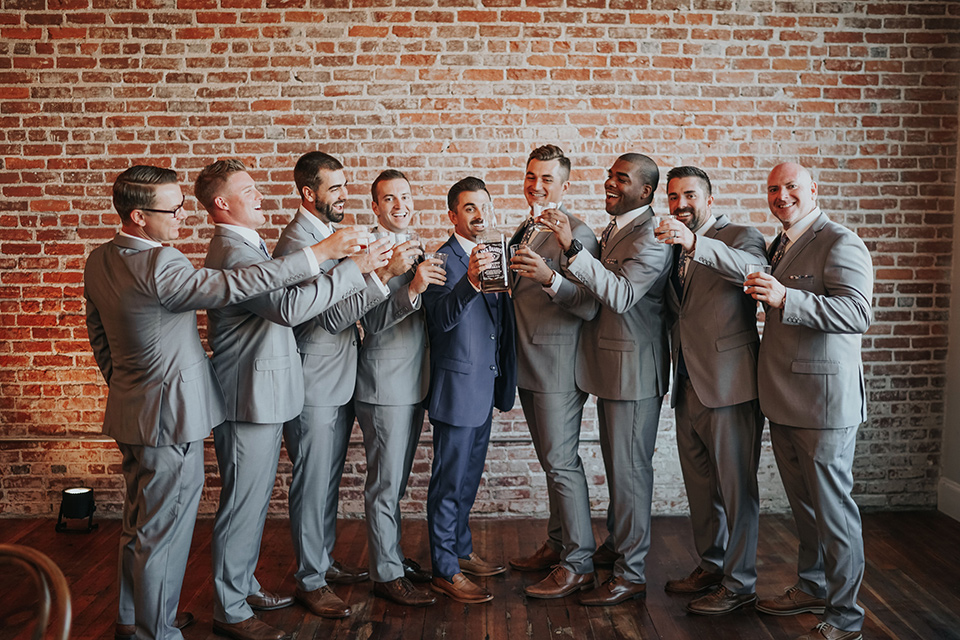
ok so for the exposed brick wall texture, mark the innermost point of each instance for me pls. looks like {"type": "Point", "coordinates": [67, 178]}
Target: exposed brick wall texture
{"type": "Point", "coordinates": [864, 93]}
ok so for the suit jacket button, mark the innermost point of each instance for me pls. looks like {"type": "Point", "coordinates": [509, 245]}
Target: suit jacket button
{"type": "Point", "coordinates": [493, 337]}
{"type": "Point", "coordinates": [354, 343]}
{"type": "Point", "coordinates": [493, 367]}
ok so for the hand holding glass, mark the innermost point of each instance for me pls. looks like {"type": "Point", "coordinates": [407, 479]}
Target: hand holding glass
{"type": "Point", "coordinates": [750, 269]}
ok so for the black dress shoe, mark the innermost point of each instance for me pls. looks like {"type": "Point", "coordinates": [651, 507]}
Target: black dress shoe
{"type": "Point", "coordinates": [342, 574]}
{"type": "Point", "coordinates": [413, 572]}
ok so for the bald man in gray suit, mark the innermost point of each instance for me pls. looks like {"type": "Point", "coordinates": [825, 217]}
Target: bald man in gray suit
{"type": "Point", "coordinates": [811, 387]}
{"type": "Point", "coordinates": [163, 397]}
{"type": "Point", "coordinates": [255, 357]}
{"type": "Point", "coordinates": [713, 326]}
{"type": "Point", "coordinates": [317, 440]}
{"type": "Point", "coordinates": [547, 338]}
{"type": "Point", "coordinates": [392, 379]}
{"type": "Point", "coordinates": [623, 358]}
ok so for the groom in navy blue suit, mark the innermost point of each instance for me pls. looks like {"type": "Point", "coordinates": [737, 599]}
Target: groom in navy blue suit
{"type": "Point", "coordinates": [472, 370]}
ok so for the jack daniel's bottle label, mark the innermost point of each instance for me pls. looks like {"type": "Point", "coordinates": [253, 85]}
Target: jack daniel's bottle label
{"type": "Point", "coordinates": [494, 279]}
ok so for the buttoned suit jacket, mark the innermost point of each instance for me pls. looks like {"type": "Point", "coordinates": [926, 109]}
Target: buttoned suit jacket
{"type": "Point", "coordinates": [467, 372]}
{"type": "Point", "coordinates": [328, 343]}
{"type": "Point", "coordinates": [548, 333]}
{"type": "Point", "coordinates": [623, 352]}
{"type": "Point", "coordinates": [142, 325]}
{"type": "Point", "coordinates": [254, 350]}
{"type": "Point", "coordinates": [716, 322]}
{"type": "Point", "coordinates": [810, 372]}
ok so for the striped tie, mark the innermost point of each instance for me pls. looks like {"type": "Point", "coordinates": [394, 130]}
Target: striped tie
{"type": "Point", "coordinates": [263, 249]}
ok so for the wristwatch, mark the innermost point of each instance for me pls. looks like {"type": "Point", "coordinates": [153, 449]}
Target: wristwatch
{"type": "Point", "coordinates": [575, 247]}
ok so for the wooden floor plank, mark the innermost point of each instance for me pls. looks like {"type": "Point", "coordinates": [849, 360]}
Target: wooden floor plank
{"type": "Point", "coordinates": [910, 589]}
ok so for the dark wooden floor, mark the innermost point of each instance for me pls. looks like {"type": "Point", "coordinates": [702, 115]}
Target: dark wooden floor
{"type": "Point", "coordinates": [911, 589]}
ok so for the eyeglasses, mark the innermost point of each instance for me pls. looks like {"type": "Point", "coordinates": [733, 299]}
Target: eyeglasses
{"type": "Point", "coordinates": [173, 212]}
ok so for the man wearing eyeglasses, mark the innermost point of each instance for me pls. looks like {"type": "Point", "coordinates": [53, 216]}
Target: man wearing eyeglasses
{"type": "Point", "coordinates": [163, 396]}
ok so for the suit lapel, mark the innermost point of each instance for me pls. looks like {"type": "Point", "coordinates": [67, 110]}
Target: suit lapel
{"type": "Point", "coordinates": [617, 236]}
{"type": "Point", "coordinates": [794, 249]}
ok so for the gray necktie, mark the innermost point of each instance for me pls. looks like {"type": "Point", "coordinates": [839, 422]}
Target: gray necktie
{"type": "Point", "coordinates": [781, 249]}
{"type": "Point", "coordinates": [263, 249]}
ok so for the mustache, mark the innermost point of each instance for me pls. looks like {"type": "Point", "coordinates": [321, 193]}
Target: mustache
{"type": "Point", "coordinates": [683, 210]}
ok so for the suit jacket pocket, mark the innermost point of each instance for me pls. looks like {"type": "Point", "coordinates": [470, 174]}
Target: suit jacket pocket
{"type": "Point", "coordinates": [552, 338]}
{"type": "Point", "coordinates": [193, 372]}
{"type": "Point", "coordinates": [736, 340]}
{"type": "Point", "coordinates": [455, 365]}
{"type": "Point", "coordinates": [616, 345]}
{"type": "Point", "coordinates": [272, 364]}
{"type": "Point", "coordinates": [318, 348]}
{"type": "Point", "coordinates": [816, 367]}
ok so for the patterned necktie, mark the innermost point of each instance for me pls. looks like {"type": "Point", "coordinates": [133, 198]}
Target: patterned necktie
{"type": "Point", "coordinates": [682, 268]}
{"type": "Point", "coordinates": [263, 249]}
{"type": "Point", "coordinates": [611, 228]}
{"type": "Point", "coordinates": [781, 249]}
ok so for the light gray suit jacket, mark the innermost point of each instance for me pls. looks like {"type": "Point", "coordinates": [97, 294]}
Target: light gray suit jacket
{"type": "Point", "coordinates": [548, 333]}
{"type": "Point", "coordinates": [810, 370]}
{"type": "Point", "coordinates": [394, 364]}
{"type": "Point", "coordinates": [254, 351]}
{"type": "Point", "coordinates": [716, 322]}
{"type": "Point", "coordinates": [328, 342]}
{"type": "Point", "coordinates": [623, 351]}
{"type": "Point", "coordinates": [142, 324]}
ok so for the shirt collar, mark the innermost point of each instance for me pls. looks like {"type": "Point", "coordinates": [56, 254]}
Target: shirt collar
{"type": "Point", "coordinates": [249, 235]}
{"type": "Point", "coordinates": [325, 230]}
{"type": "Point", "coordinates": [706, 226]}
{"type": "Point", "coordinates": [800, 226]}
{"type": "Point", "coordinates": [466, 245]}
{"type": "Point", "coordinates": [152, 243]}
{"type": "Point", "coordinates": [624, 220]}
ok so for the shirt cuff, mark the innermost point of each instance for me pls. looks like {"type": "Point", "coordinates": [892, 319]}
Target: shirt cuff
{"type": "Point", "coordinates": [553, 288]}
{"type": "Point", "coordinates": [382, 287]}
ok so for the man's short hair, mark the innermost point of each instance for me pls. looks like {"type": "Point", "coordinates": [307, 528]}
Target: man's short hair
{"type": "Point", "coordinates": [552, 152]}
{"type": "Point", "coordinates": [691, 172]}
{"type": "Point", "coordinates": [646, 168]}
{"type": "Point", "coordinates": [212, 178]}
{"type": "Point", "coordinates": [467, 184]}
{"type": "Point", "coordinates": [135, 188]}
{"type": "Point", "coordinates": [307, 171]}
{"type": "Point", "coordinates": [389, 174]}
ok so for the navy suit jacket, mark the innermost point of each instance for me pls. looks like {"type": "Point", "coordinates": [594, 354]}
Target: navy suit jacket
{"type": "Point", "coordinates": [473, 362]}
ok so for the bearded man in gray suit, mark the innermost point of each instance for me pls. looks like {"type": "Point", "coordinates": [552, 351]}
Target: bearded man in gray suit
{"type": "Point", "coordinates": [317, 440]}
{"type": "Point", "coordinates": [810, 380]}
{"type": "Point", "coordinates": [622, 358]}
{"type": "Point", "coordinates": [713, 326]}
{"type": "Point", "coordinates": [256, 360]}
{"type": "Point", "coordinates": [392, 378]}
{"type": "Point", "coordinates": [547, 338]}
{"type": "Point", "coordinates": [164, 397]}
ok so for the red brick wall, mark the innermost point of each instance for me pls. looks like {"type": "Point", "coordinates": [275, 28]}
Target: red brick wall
{"type": "Point", "coordinates": [864, 93]}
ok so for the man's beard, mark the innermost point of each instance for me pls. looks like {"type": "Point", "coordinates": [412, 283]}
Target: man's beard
{"type": "Point", "coordinates": [327, 211]}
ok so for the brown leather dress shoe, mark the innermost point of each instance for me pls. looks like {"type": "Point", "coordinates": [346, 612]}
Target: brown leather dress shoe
{"type": "Point", "coordinates": [561, 582]}
{"type": "Point", "coordinates": [605, 557]}
{"type": "Point", "coordinates": [265, 601]}
{"type": "Point", "coordinates": [413, 572]}
{"type": "Point", "coordinates": [403, 592]}
{"type": "Point", "coordinates": [342, 574]}
{"type": "Point", "coordinates": [720, 602]}
{"type": "Point", "coordinates": [250, 629]}
{"type": "Point", "coordinates": [129, 631]}
{"type": "Point", "coordinates": [323, 602]}
{"type": "Point", "coordinates": [477, 566]}
{"type": "Point", "coordinates": [541, 560]}
{"type": "Point", "coordinates": [614, 591]}
{"type": "Point", "coordinates": [698, 580]}
{"type": "Point", "coordinates": [461, 589]}
{"type": "Point", "coordinates": [791, 602]}
{"type": "Point", "coordinates": [824, 631]}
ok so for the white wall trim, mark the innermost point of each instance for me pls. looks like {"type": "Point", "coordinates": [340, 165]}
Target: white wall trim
{"type": "Point", "coordinates": [948, 498]}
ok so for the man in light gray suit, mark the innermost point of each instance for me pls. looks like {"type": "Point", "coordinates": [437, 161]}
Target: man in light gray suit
{"type": "Point", "coordinates": [713, 325]}
{"type": "Point", "coordinates": [317, 440]}
{"type": "Point", "coordinates": [547, 338]}
{"type": "Point", "coordinates": [256, 360]}
{"type": "Point", "coordinates": [392, 378]}
{"type": "Point", "coordinates": [164, 397]}
{"type": "Point", "coordinates": [623, 358]}
{"type": "Point", "coordinates": [810, 381]}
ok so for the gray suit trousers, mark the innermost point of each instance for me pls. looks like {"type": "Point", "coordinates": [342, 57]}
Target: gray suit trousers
{"type": "Point", "coordinates": [163, 486]}
{"type": "Point", "coordinates": [554, 421]}
{"type": "Point", "coordinates": [719, 455]}
{"type": "Point", "coordinates": [317, 445]}
{"type": "Point", "coordinates": [628, 437]}
{"type": "Point", "coordinates": [816, 466]}
{"type": "Point", "coordinates": [390, 436]}
{"type": "Point", "coordinates": [247, 454]}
